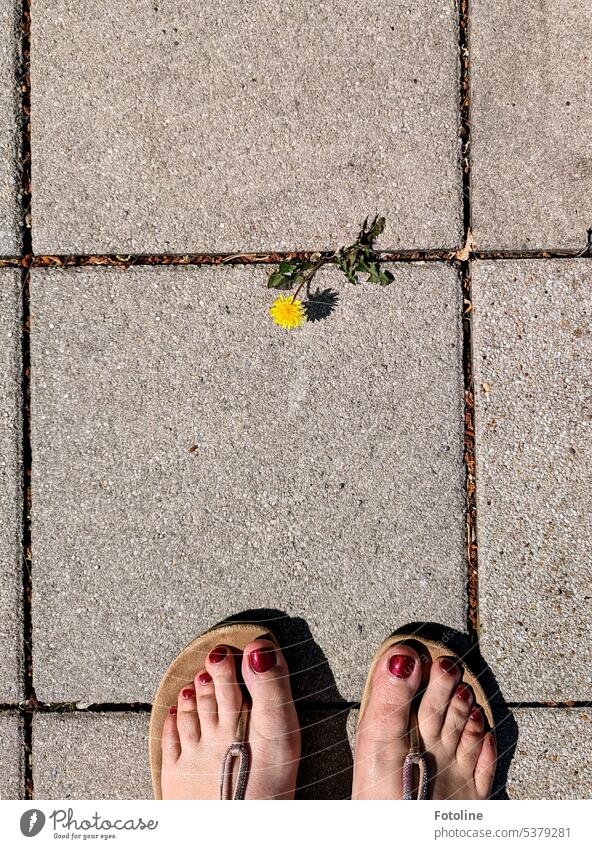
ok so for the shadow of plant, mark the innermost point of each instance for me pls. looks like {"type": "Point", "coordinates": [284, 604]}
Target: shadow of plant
{"type": "Point", "coordinates": [320, 304]}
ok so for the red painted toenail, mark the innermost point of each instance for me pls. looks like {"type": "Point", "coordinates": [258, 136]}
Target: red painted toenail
{"type": "Point", "coordinates": [463, 692]}
{"type": "Point", "coordinates": [204, 677]}
{"type": "Point", "coordinates": [217, 655]}
{"type": "Point", "coordinates": [172, 711]}
{"type": "Point", "coordinates": [448, 665]}
{"type": "Point", "coordinates": [475, 714]}
{"type": "Point", "coordinates": [188, 692]}
{"type": "Point", "coordinates": [401, 665]}
{"type": "Point", "coordinates": [262, 660]}
{"type": "Point", "coordinates": [491, 741]}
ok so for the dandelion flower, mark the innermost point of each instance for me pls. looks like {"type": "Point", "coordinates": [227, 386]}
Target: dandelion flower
{"type": "Point", "coordinates": [287, 311]}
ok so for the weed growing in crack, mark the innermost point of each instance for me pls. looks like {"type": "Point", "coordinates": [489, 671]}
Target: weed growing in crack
{"type": "Point", "coordinates": [290, 311]}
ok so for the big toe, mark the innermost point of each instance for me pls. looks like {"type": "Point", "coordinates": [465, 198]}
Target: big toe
{"type": "Point", "coordinates": [382, 738]}
{"type": "Point", "coordinates": [267, 677]}
{"type": "Point", "coordinates": [274, 729]}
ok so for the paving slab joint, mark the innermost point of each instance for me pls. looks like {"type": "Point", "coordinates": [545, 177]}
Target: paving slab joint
{"type": "Point", "coordinates": [27, 707]}
{"type": "Point", "coordinates": [464, 258]}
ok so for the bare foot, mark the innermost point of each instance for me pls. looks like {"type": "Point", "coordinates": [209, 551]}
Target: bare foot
{"type": "Point", "coordinates": [203, 724]}
{"type": "Point", "coordinates": [461, 756]}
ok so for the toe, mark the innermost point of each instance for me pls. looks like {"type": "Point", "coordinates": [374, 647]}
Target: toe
{"type": "Point", "coordinates": [221, 666]}
{"type": "Point", "coordinates": [395, 682]}
{"type": "Point", "coordinates": [187, 719]}
{"type": "Point", "coordinates": [267, 677]}
{"type": "Point", "coordinates": [274, 729]}
{"type": "Point", "coordinates": [470, 741]}
{"type": "Point", "coordinates": [171, 744]}
{"type": "Point", "coordinates": [382, 738]}
{"type": "Point", "coordinates": [485, 768]}
{"type": "Point", "coordinates": [207, 706]}
{"type": "Point", "coordinates": [456, 716]}
{"type": "Point", "coordinates": [444, 678]}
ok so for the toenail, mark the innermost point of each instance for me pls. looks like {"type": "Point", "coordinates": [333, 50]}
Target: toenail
{"type": "Point", "coordinates": [491, 741]}
{"type": "Point", "coordinates": [448, 665]}
{"type": "Point", "coordinates": [262, 660]}
{"type": "Point", "coordinates": [172, 711]}
{"type": "Point", "coordinates": [463, 692]}
{"type": "Point", "coordinates": [475, 714]}
{"type": "Point", "coordinates": [217, 655]}
{"type": "Point", "coordinates": [188, 692]}
{"type": "Point", "coordinates": [401, 665]}
{"type": "Point", "coordinates": [204, 677]}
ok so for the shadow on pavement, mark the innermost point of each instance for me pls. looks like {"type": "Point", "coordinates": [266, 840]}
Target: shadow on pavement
{"type": "Point", "coordinates": [326, 764]}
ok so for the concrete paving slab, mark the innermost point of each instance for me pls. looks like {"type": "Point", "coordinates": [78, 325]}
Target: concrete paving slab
{"type": "Point", "coordinates": [104, 756]}
{"type": "Point", "coordinates": [11, 688]}
{"type": "Point", "coordinates": [531, 181]}
{"type": "Point", "coordinates": [221, 127]}
{"type": "Point", "coordinates": [11, 756]}
{"type": "Point", "coordinates": [533, 360]}
{"type": "Point", "coordinates": [9, 133]}
{"type": "Point", "coordinates": [545, 765]}
{"type": "Point", "coordinates": [192, 460]}
{"type": "Point", "coordinates": [91, 756]}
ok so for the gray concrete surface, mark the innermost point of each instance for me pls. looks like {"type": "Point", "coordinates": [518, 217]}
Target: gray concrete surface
{"type": "Point", "coordinates": [91, 756]}
{"type": "Point", "coordinates": [10, 488]}
{"type": "Point", "coordinates": [9, 134]}
{"type": "Point", "coordinates": [105, 755]}
{"type": "Point", "coordinates": [553, 753]}
{"type": "Point", "coordinates": [531, 181]}
{"type": "Point", "coordinates": [11, 756]}
{"type": "Point", "coordinates": [225, 127]}
{"type": "Point", "coordinates": [327, 480]}
{"type": "Point", "coordinates": [533, 361]}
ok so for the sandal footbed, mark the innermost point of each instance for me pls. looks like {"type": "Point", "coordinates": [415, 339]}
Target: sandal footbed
{"type": "Point", "coordinates": [429, 652]}
{"type": "Point", "coordinates": [182, 671]}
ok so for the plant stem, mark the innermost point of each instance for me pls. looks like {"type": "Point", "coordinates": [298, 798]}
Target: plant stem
{"type": "Point", "coordinates": [311, 273]}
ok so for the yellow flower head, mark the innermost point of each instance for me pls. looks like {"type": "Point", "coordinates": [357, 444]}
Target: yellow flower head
{"type": "Point", "coordinates": [287, 311]}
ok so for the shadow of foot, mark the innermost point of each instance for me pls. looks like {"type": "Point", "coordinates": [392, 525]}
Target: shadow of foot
{"type": "Point", "coordinates": [326, 764]}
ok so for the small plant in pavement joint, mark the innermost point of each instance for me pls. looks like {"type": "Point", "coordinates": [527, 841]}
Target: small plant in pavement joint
{"type": "Point", "coordinates": [296, 275]}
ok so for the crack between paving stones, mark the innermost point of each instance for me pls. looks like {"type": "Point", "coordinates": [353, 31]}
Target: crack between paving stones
{"type": "Point", "coordinates": [407, 256]}
{"type": "Point", "coordinates": [467, 328]}
{"type": "Point", "coordinates": [23, 59]}
{"type": "Point", "coordinates": [303, 705]}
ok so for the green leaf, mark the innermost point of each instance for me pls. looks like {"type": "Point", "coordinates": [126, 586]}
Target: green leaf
{"type": "Point", "coordinates": [287, 266]}
{"type": "Point", "coordinates": [277, 280]}
{"type": "Point", "coordinates": [363, 267]}
{"type": "Point", "coordinates": [304, 265]}
{"type": "Point", "coordinates": [377, 227]}
{"type": "Point", "coordinates": [351, 276]}
{"type": "Point", "coordinates": [373, 272]}
{"type": "Point", "coordinates": [274, 280]}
